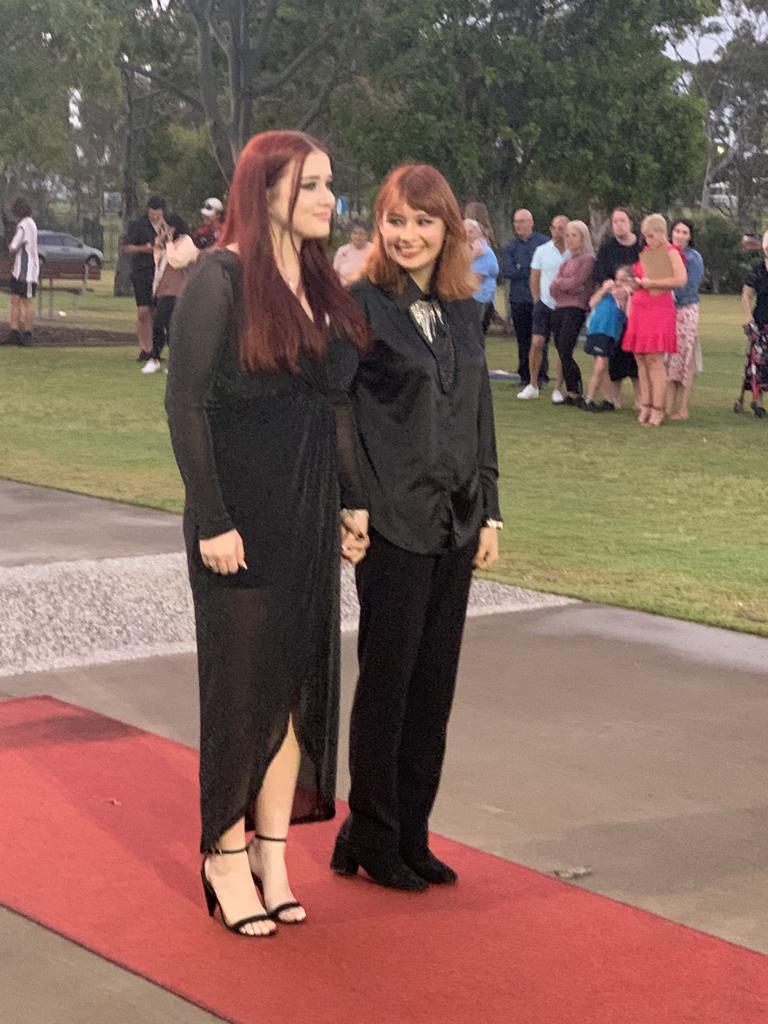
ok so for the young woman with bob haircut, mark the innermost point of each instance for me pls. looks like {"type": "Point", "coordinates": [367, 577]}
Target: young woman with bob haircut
{"type": "Point", "coordinates": [423, 409]}
{"type": "Point", "coordinates": [265, 344]}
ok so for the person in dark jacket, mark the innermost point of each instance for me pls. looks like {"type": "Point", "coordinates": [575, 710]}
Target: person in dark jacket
{"type": "Point", "coordinates": [620, 249]}
{"type": "Point", "coordinates": [139, 244]}
{"type": "Point", "coordinates": [422, 405]}
{"type": "Point", "coordinates": [516, 268]}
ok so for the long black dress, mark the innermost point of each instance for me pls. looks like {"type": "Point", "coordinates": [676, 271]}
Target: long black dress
{"type": "Point", "coordinates": [274, 456]}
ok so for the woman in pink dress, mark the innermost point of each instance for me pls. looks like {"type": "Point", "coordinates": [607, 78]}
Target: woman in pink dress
{"type": "Point", "coordinates": [652, 327]}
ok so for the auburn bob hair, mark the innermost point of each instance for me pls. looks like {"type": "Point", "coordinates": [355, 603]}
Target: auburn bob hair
{"type": "Point", "coordinates": [422, 187]}
{"type": "Point", "coordinates": [275, 328]}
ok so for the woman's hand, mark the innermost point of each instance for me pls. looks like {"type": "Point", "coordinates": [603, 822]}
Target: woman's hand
{"type": "Point", "coordinates": [354, 535]}
{"type": "Point", "coordinates": [487, 548]}
{"type": "Point", "coordinates": [223, 554]}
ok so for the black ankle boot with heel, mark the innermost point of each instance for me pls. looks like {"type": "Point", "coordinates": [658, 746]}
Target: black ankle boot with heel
{"type": "Point", "coordinates": [388, 870]}
{"type": "Point", "coordinates": [430, 868]}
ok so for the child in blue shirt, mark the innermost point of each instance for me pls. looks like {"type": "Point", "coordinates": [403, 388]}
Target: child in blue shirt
{"type": "Point", "coordinates": [605, 327]}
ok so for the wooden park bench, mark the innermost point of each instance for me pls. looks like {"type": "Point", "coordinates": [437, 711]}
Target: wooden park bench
{"type": "Point", "coordinates": [55, 275]}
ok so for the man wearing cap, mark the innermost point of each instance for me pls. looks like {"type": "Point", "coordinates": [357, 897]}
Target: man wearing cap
{"type": "Point", "coordinates": [212, 212]}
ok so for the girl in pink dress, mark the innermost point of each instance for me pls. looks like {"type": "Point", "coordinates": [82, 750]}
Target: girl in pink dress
{"type": "Point", "coordinates": [652, 327]}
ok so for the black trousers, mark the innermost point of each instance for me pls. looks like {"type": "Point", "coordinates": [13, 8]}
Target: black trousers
{"type": "Point", "coordinates": [521, 314]}
{"type": "Point", "coordinates": [488, 311]}
{"type": "Point", "coordinates": [566, 324]}
{"type": "Point", "coordinates": [412, 611]}
{"type": "Point", "coordinates": [161, 323]}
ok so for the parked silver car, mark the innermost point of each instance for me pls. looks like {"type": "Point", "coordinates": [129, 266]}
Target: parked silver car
{"type": "Point", "coordinates": [63, 248]}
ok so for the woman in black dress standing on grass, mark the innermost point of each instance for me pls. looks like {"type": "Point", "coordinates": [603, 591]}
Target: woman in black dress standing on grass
{"type": "Point", "coordinates": [423, 408]}
{"type": "Point", "coordinates": [264, 437]}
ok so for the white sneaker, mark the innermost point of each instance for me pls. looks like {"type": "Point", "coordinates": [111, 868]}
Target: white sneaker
{"type": "Point", "coordinates": [151, 366]}
{"type": "Point", "coordinates": [529, 391]}
{"type": "Point", "coordinates": [558, 398]}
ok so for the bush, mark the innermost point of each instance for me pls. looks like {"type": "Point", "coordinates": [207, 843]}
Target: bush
{"type": "Point", "coordinates": [719, 242]}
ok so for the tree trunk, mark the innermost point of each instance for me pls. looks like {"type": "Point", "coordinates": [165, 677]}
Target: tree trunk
{"type": "Point", "coordinates": [130, 188]}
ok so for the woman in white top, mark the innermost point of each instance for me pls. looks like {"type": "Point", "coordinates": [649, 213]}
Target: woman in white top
{"type": "Point", "coordinates": [24, 274]}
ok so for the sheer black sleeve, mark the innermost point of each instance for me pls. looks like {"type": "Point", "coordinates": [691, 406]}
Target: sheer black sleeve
{"type": "Point", "coordinates": [351, 489]}
{"type": "Point", "coordinates": [487, 459]}
{"type": "Point", "coordinates": [202, 319]}
{"type": "Point", "coordinates": [342, 366]}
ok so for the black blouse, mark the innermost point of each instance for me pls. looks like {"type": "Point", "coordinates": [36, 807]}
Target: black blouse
{"type": "Point", "coordinates": [423, 408]}
{"type": "Point", "coordinates": [611, 255]}
{"type": "Point", "coordinates": [757, 279]}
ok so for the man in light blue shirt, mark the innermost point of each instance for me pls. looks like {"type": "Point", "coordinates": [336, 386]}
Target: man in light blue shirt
{"type": "Point", "coordinates": [485, 267]}
{"type": "Point", "coordinates": [544, 267]}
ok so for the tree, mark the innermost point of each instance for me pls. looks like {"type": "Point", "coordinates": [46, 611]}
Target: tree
{"type": "Point", "coordinates": [53, 51]}
{"type": "Point", "coordinates": [733, 85]}
{"type": "Point", "coordinates": [528, 102]}
{"type": "Point", "coordinates": [249, 52]}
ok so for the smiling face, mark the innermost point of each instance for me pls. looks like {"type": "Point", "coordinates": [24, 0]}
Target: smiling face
{"type": "Point", "coordinates": [681, 235]}
{"type": "Point", "coordinates": [315, 202]}
{"type": "Point", "coordinates": [413, 239]}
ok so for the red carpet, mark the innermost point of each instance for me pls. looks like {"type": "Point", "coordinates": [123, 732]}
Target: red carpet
{"type": "Point", "coordinates": [112, 866]}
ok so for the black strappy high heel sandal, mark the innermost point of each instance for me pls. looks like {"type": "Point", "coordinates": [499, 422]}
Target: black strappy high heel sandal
{"type": "Point", "coordinates": [212, 901]}
{"type": "Point", "coordinates": [275, 912]}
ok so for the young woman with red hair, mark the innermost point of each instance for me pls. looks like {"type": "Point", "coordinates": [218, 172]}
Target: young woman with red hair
{"type": "Point", "coordinates": [422, 403]}
{"type": "Point", "coordinates": [265, 341]}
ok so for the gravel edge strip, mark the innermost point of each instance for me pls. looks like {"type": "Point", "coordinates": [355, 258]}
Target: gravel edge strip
{"type": "Point", "coordinates": [89, 612]}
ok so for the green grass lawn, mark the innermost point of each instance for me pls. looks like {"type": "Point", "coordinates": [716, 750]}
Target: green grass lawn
{"type": "Point", "coordinates": [667, 520]}
{"type": "Point", "coordinates": [98, 308]}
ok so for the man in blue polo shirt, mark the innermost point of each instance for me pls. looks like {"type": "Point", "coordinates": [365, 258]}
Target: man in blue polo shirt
{"type": "Point", "coordinates": [516, 268]}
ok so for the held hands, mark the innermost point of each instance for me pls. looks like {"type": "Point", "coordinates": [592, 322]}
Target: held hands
{"type": "Point", "coordinates": [354, 535]}
{"type": "Point", "coordinates": [223, 554]}
{"type": "Point", "coordinates": [487, 549]}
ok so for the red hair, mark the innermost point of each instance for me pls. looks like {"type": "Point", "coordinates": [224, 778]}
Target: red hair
{"type": "Point", "coordinates": [275, 328]}
{"type": "Point", "coordinates": [422, 187]}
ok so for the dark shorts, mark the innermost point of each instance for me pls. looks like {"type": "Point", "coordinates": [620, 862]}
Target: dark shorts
{"type": "Point", "coordinates": [622, 364]}
{"type": "Point", "coordinates": [542, 320]}
{"type": "Point", "coordinates": [601, 345]}
{"type": "Point", "coordinates": [142, 287]}
{"type": "Point", "coordinates": [23, 289]}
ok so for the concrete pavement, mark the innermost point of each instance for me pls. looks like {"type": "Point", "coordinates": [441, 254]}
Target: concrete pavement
{"type": "Point", "coordinates": [583, 737]}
